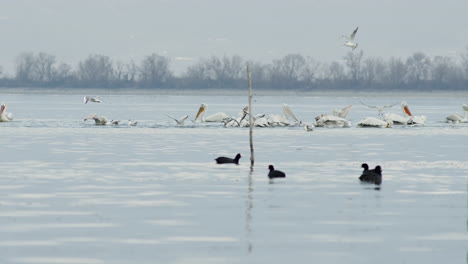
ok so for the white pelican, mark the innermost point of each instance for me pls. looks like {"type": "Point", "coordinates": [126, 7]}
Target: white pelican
{"type": "Point", "coordinates": [114, 122]}
{"type": "Point", "coordinates": [87, 99]}
{"type": "Point", "coordinates": [457, 118]}
{"type": "Point", "coordinates": [218, 117]}
{"type": "Point", "coordinates": [179, 121]}
{"type": "Point", "coordinates": [331, 121]}
{"type": "Point", "coordinates": [282, 120]}
{"type": "Point", "coordinates": [374, 122]}
{"type": "Point", "coordinates": [412, 120]}
{"type": "Point", "coordinates": [4, 115]}
{"type": "Point", "coordinates": [379, 108]}
{"type": "Point", "coordinates": [261, 121]}
{"type": "Point", "coordinates": [343, 112]}
{"type": "Point", "coordinates": [350, 40]}
{"type": "Point", "coordinates": [132, 123]}
{"type": "Point", "coordinates": [100, 121]}
{"type": "Point", "coordinates": [407, 119]}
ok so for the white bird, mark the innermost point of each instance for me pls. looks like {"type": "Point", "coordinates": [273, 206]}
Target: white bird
{"type": "Point", "coordinates": [114, 122]}
{"type": "Point", "coordinates": [261, 121]}
{"type": "Point", "coordinates": [4, 115]}
{"type": "Point", "coordinates": [379, 108]}
{"type": "Point", "coordinates": [343, 112]}
{"type": "Point", "coordinates": [374, 122]}
{"type": "Point", "coordinates": [407, 119]}
{"type": "Point", "coordinates": [283, 120]}
{"type": "Point", "coordinates": [457, 118]}
{"type": "Point", "coordinates": [179, 121]}
{"type": "Point", "coordinates": [87, 99]}
{"type": "Point", "coordinates": [350, 40]}
{"type": "Point", "coordinates": [100, 121]}
{"type": "Point", "coordinates": [331, 121]}
{"type": "Point", "coordinates": [218, 117]}
{"type": "Point", "coordinates": [132, 123]}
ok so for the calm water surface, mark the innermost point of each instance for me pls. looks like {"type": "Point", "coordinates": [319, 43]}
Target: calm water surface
{"type": "Point", "coordinates": [72, 192]}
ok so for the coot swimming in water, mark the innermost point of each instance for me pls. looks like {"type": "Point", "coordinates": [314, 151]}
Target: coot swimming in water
{"type": "Point", "coordinates": [371, 176]}
{"type": "Point", "coordinates": [222, 160]}
{"type": "Point", "coordinates": [275, 173]}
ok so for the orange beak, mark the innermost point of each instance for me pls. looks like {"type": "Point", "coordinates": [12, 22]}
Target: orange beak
{"type": "Point", "coordinates": [407, 111]}
{"type": "Point", "coordinates": [200, 110]}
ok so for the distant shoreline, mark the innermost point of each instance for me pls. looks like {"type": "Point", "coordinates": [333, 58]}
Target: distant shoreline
{"type": "Point", "coordinates": [233, 92]}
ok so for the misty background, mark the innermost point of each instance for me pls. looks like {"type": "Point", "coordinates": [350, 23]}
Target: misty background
{"type": "Point", "coordinates": [293, 44]}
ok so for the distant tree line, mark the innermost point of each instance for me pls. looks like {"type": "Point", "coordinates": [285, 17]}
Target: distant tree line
{"type": "Point", "coordinates": [291, 72]}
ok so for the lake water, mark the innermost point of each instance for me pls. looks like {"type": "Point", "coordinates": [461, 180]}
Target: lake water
{"type": "Point", "coordinates": [72, 192]}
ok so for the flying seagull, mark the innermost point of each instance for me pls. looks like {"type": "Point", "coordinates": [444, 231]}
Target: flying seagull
{"type": "Point", "coordinates": [179, 121]}
{"type": "Point", "coordinates": [379, 108]}
{"type": "Point", "coordinates": [350, 40]}
{"type": "Point", "coordinates": [87, 99]}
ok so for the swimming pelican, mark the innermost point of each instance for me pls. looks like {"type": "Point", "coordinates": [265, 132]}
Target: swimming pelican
{"type": "Point", "coordinates": [407, 119]}
{"type": "Point", "coordinates": [132, 123]}
{"type": "Point", "coordinates": [87, 99]}
{"type": "Point", "coordinates": [343, 112]}
{"type": "Point", "coordinates": [261, 121]}
{"type": "Point", "coordinates": [275, 173]}
{"type": "Point", "coordinates": [412, 120]}
{"type": "Point", "coordinates": [223, 160]}
{"type": "Point", "coordinates": [379, 108]}
{"type": "Point", "coordinates": [218, 117]}
{"type": "Point", "coordinates": [100, 121]}
{"type": "Point", "coordinates": [4, 115]}
{"type": "Point", "coordinates": [114, 122]}
{"type": "Point", "coordinates": [350, 40]}
{"type": "Point", "coordinates": [374, 122]}
{"type": "Point", "coordinates": [179, 121]}
{"type": "Point", "coordinates": [331, 121]}
{"type": "Point", "coordinates": [457, 118]}
{"type": "Point", "coordinates": [282, 120]}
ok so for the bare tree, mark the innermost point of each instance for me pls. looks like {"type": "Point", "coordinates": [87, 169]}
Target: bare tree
{"type": "Point", "coordinates": [335, 72]}
{"type": "Point", "coordinates": [443, 69]}
{"type": "Point", "coordinates": [25, 63]}
{"type": "Point", "coordinates": [198, 71]}
{"type": "Point", "coordinates": [132, 71]}
{"type": "Point", "coordinates": [287, 71]}
{"type": "Point", "coordinates": [96, 69]}
{"type": "Point", "coordinates": [63, 72]}
{"type": "Point", "coordinates": [310, 71]}
{"type": "Point", "coordinates": [397, 70]}
{"type": "Point", "coordinates": [353, 62]}
{"type": "Point", "coordinates": [119, 71]}
{"type": "Point", "coordinates": [259, 71]}
{"type": "Point", "coordinates": [373, 70]}
{"type": "Point", "coordinates": [418, 66]}
{"type": "Point", "coordinates": [464, 63]}
{"type": "Point", "coordinates": [44, 67]}
{"type": "Point", "coordinates": [154, 70]}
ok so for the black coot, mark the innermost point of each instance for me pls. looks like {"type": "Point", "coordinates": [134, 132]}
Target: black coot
{"type": "Point", "coordinates": [371, 176]}
{"type": "Point", "coordinates": [223, 160]}
{"type": "Point", "coordinates": [275, 173]}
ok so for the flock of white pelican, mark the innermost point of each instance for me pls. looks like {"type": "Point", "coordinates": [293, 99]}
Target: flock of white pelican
{"type": "Point", "coordinates": [338, 117]}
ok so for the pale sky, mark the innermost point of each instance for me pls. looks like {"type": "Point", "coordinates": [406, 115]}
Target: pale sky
{"type": "Point", "coordinates": [261, 30]}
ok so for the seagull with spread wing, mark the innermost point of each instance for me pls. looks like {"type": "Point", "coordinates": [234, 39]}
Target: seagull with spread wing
{"type": "Point", "coordinates": [179, 121]}
{"type": "Point", "coordinates": [379, 108]}
{"type": "Point", "coordinates": [350, 40]}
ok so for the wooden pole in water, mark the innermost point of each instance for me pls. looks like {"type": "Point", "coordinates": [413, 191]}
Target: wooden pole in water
{"type": "Point", "coordinates": [250, 119]}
